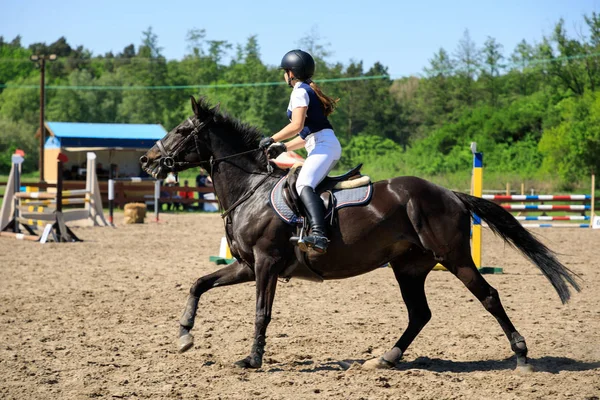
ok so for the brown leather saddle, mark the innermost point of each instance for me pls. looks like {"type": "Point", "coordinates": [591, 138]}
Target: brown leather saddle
{"type": "Point", "coordinates": [292, 199]}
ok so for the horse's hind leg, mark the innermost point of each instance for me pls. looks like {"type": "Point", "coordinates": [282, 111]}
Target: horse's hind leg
{"type": "Point", "coordinates": [468, 274]}
{"type": "Point", "coordinates": [229, 275]}
{"type": "Point", "coordinates": [411, 278]}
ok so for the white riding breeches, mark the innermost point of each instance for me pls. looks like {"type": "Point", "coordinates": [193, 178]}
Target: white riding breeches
{"type": "Point", "coordinates": [324, 151]}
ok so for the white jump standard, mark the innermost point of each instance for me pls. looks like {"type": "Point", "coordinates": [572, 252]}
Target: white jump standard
{"type": "Point", "coordinates": [33, 211]}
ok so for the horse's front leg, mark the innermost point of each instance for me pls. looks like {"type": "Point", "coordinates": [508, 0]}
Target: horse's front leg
{"type": "Point", "coordinates": [229, 275]}
{"type": "Point", "coordinates": [266, 283]}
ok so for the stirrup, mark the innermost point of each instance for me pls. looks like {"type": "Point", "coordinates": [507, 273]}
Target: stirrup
{"type": "Point", "coordinates": [316, 242]}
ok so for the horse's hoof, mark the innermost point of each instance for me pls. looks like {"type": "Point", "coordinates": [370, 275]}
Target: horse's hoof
{"type": "Point", "coordinates": [186, 342]}
{"type": "Point", "coordinates": [246, 363]}
{"type": "Point", "coordinates": [377, 363]}
{"type": "Point", "coordinates": [525, 369]}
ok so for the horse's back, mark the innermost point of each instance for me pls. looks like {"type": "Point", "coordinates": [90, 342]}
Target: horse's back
{"type": "Point", "coordinates": [418, 190]}
{"type": "Point", "coordinates": [423, 200]}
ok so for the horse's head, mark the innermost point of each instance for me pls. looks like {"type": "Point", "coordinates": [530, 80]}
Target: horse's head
{"type": "Point", "coordinates": [183, 147]}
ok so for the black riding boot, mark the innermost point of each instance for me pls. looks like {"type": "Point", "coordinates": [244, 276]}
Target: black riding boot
{"type": "Point", "coordinates": [315, 212]}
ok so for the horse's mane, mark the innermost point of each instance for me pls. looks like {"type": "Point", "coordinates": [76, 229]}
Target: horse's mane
{"type": "Point", "coordinates": [249, 135]}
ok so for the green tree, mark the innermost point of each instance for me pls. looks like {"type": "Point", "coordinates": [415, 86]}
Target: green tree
{"type": "Point", "coordinates": [387, 118]}
{"type": "Point", "coordinates": [467, 58]}
{"type": "Point", "coordinates": [436, 90]}
{"type": "Point", "coordinates": [14, 59]}
{"type": "Point", "coordinates": [565, 70]}
{"type": "Point", "coordinates": [522, 75]}
{"type": "Point", "coordinates": [255, 105]}
{"type": "Point", "coordinates": [571, 147]}
{"type": "Point", "coordinates": [74, 105]}
{"type": "Point", "coordinates": [491, 67]}
{"type": "Point", "coordinates": [17, 135]}
{"type": "Point", "coordinates": [592, 49]}
{"type": "Point", "coordinates": [347, 119]}
{"type": "Point", "coordinates": [149, 68]}
{"type": "Point", "coordinates": [21, 103]}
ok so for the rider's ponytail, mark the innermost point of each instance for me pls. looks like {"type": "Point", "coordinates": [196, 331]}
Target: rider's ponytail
{"type": "Point", "coordinates": [329, 103]}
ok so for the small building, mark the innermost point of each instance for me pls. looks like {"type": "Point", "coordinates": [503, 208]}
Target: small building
{"type": "Point", "coordinates": [117, 147]}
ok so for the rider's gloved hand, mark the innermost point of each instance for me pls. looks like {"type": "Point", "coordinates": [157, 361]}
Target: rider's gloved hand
{"type": "Point", "coordinates": [265, 142]}
{"type": "Point", "coordinates": [276, 149]}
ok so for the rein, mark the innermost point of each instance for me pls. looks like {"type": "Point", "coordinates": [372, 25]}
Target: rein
{"type": "Point", "coordinates": [168, 161]}
{"type": "Point", "coordinates": [247, 195]}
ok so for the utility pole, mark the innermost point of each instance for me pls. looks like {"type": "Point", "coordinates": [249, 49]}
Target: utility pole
{"type": "Point", "coordinates": [40, 60]}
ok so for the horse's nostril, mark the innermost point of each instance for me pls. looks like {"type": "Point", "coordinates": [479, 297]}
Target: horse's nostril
{"type": "Point", "coordinates": [143, 160]}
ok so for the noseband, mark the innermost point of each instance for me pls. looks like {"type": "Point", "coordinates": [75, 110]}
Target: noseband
{"type": "Point", "coordinates": [168, 159]}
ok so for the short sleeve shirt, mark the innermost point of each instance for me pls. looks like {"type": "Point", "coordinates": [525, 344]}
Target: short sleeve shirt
{"type": "Point", "coordinates": [304, 96]}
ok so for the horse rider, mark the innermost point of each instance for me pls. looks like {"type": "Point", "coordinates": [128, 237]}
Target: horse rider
{"type": "Point", "coordinates": [307, 111]}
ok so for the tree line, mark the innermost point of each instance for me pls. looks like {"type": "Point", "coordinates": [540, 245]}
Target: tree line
{"type": "Point", "coordinates": [533, 111]}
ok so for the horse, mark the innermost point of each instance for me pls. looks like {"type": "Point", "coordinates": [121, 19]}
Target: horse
{"type": "Point", "coordinates": [409, 223]}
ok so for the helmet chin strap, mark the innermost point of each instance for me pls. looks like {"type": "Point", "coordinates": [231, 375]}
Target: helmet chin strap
{"type": "Point", "coordinates": [290, 79]}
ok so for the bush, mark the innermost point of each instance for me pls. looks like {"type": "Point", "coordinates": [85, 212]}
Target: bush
{"type": "Point", "coordinates": [17, 135]}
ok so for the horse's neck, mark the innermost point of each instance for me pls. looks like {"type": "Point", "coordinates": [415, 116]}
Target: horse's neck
{"type": "Point", "coordinates": [233, 179]}
{"type": "Point", "coordinates": [239, 173]}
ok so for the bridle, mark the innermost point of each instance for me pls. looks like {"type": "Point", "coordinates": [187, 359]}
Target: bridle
{"type": "Point", "coordinates": [167, 160]}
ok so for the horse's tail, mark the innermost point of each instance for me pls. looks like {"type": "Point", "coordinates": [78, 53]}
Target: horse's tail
{"type": "Point", "coordinates": [503, 224]}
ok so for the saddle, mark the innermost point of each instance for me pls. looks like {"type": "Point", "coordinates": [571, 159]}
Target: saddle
{"type": "Point", "coordinates": [292, 197]}
{"type": "Point", "coordinates": [349, 189]}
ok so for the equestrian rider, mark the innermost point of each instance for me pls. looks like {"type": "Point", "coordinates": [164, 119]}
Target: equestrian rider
{"type": "Point", "coordinates": [307, 111]}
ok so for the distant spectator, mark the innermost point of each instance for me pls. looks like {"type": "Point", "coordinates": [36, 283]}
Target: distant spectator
{"type": "Point", "coordinates": [114, 170]}
{"type": "Point", "coordinates": [171, 178]}
{"type": "Point", "coordinates": [175, 205]}
{"type": "Point", "coordinates": [202, 180]}
{"type": "Point", "coordinates": [171, 182]}
{"type": "Point", "coordinates": [164, 195]}
{"type": "Point", "coordinates": [101, 172]}
{"type": "Point", "coordinates": [186, 195]}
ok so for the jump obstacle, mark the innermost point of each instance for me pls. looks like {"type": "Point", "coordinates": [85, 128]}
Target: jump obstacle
{"type": "Point", "coordinates": [581, 209]}
{"type": "Point", "coordinates": [476, 234]}
{"type": "Point", "coordinates": [111, 195]}
{"type": "Point", "coordinates": [34, 211]}
{"type": "Point", "coordinates": [588, 205]}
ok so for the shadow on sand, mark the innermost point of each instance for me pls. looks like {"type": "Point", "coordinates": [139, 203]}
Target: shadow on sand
{"type": "Point", "coordinates": [549, 364]}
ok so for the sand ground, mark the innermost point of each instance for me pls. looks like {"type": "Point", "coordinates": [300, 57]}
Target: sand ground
{"type": "Point", "coordinates": [99, 319]}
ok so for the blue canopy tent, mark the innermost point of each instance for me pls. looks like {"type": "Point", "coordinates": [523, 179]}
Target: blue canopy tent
{"type": "Point", "coordinates": [116, 145]}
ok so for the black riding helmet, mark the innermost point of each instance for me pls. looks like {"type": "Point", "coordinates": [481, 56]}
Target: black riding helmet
{"type": "Point", "coordinates": [300, 62]}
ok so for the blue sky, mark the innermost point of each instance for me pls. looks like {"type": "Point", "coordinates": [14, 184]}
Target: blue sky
{"type": "Point", "coordinates": [402, 35]}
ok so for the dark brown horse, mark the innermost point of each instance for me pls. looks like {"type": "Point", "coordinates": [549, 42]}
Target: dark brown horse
{"type": "Point", "coordinates": [409, 222]}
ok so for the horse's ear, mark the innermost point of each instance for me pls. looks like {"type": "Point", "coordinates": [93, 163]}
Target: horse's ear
{"type": "Point", "coordinates": [195, 106]}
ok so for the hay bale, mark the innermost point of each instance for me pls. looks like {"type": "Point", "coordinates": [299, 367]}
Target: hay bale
{"type": "Point", "coordinates": [135, 213]}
